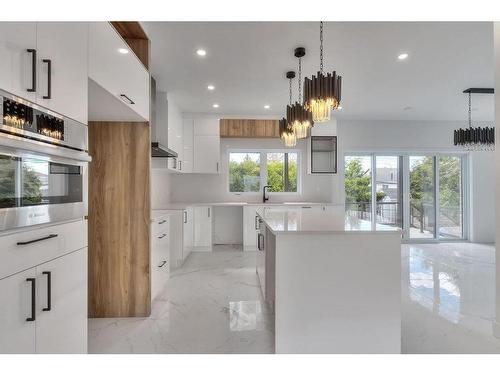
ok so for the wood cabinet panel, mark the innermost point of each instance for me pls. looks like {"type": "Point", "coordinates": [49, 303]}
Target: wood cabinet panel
{"type": "Point", "coordinates": [119, 223]}
{"type": "Point", "coordinates": [249, 128]}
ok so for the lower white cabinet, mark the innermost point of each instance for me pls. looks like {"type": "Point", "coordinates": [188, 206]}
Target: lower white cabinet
{"type": "Point", "coordinates": [250, 228]}
{"type": "Point", "coordinates": [160, 256]}
{"type": "Point", "coordinates": [44, 309]}
{"type": "Point", "coordinates": [187, 232]}
{"type": "Point", "coordinates": [203, 228]}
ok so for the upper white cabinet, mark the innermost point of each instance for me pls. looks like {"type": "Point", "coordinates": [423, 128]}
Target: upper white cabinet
{"type": "Point", "coordinates": [18, 58]}
{"type": "Point", "coordinates": [174, 129]}
{"type": "Point", "coordinates": [206, 154]}
{"type": "Point", "coordinates": [187, 146]}
{"type": "Point", "coordinates": [206, 126]}
{"type": "Point", "coordinates": [47, 63]}
{"type": "Point", "coordinates": [62, 51]}
{"type": "Point", "coordinates": [122, 75]}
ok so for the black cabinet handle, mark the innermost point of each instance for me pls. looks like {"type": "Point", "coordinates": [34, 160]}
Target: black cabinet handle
{"type": "Point", "coordinates": [38, 239]}
{"type": "Point", "coordinates": [180, 165]}
{"type": "Point", "coordinates": [162, 264]}
{"type": "Point", "coordinates": [256, 222]}
{"type": "Point", "coordinates": [162, 222]}
{"type": "Point", "coordinates": [259, 236]}
{"type": "Point", "coordinates": [163, 235]}
{"type": "Point", "coordinates": [32, 280]}
{"type": "Point", "coordinates": [185, 217]}
{"type": "Point", "coordinates": [49, 78]}
{"type": "Point", "coordinates": [33, 69]}
{"type": "Point", "coordinates": [49, 290]}
{"type": "Point", "coordinates": [127, 98]}
{"type": "Point", "coordinates": [208, 211]}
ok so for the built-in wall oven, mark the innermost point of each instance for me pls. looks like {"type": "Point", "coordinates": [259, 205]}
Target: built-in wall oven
{"type": "Point", "coordinates": [43, 165]}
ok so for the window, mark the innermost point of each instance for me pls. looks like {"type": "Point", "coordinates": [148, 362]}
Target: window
{"type": "Point", "coordinates": [244, 172]}
{"type": "Point", "coordinates": [249, 171]}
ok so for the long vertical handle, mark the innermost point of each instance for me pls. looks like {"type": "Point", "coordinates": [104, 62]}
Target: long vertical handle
{"type": "Point", "coordinates": [49, 78]}
{"type": "Point", "coordinates": [257, 222]}
{"type": "Point", "coordinates": [217, 166]}
{"type": "Point", "coordinates": [32, 280]}
{"type": "Point", "coordinates": [259, 236]}
{"type": "Point", "coordinates": [49, 290]}
{"type": "Point", "coordinates": [33, 69]}
{"type": "Point", "coordinates": [185, 217]}
{"type": "Point", "coordinates": [208, 211]}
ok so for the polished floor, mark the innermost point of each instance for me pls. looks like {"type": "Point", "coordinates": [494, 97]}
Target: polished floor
{"type": "Point", "coordinates": [213, 305]}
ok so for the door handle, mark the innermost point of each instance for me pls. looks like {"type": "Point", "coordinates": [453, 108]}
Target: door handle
{"type": "Point", "coordinates": [32, 280]}
{"type": "Point", "coordinates": [259, 236]}
{"type": "Point", "coordinates": [163, 235]}
{"type": "Point", "coordinates": [37, 240]}
{"type": "Point", "coordinates": [180, 165]}
{"type": "Point", "coordinates": [185, 217]}
{"type": "Point", "coordinates": [162, 222]}
{"type": "Point", "coordinates": [208, 211]}
{"type": "Point", "coordinates": [217, 166]}
{"type": "Point", "coordinates": [123, 96]}
{"type": "Point", "coordinates": [49, 290]}
{"type": "Point", "coordinates": [33, 69]}
{"type": "Point", "coordinates": [49, 78]}
{"type": "Point", "coordinates": [162, 264]}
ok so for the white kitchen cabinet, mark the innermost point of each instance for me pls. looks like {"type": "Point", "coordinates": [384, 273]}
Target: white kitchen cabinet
{"type": "Point", "coordinates": [59, 313]}
{"type": "Point", "coordinates": [174, 128]}
{"type": "Point", "coordinates": [206, 126]}
{"type": "Point", "coordinates": [203, 228]}
{"type": "Point", "coordinates": [62, 71]}
{"type": "Point", "coordinates": [17, 335]}
{"type": "Point", "coordinates": [61, 320]}
{"type": "Point", "coordinates": [16, 62]}
{"type": "Point", "coordinates": [206, 154]}
{"type": "Point", "coordinates": [187, 146]}
{"type": "Point", "coordinates": [187, 231]}
{"type": "Point", "coordinates": [122, 75]}
{"type": "Point", "coordinates": [250, 228]}
{"type": "Point", "coordinates": [160, 262]}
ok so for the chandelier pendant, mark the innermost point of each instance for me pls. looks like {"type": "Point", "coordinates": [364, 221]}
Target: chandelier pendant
{"type": "Point", "coordinates": [322, 93]}
{"type": "Point", "coordinates": [287, 134]}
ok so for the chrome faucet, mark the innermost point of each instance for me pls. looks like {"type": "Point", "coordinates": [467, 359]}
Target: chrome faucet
{"type": "Point", "coordinates": [264, 198]}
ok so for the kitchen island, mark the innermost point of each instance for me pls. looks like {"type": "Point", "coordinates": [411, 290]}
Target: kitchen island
{"type": "Point", "coordinates": [332, 281]}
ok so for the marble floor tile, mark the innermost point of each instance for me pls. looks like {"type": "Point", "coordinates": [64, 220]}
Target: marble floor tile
{"type": "Point", "coordinates": [213, 304]}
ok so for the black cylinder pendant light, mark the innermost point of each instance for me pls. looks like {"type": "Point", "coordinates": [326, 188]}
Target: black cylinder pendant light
{"type": "Point", "coordinates": [322, 92]}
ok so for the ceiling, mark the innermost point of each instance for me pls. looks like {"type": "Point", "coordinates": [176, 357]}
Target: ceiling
{"type": "Point", "coordinates": [247, 61]}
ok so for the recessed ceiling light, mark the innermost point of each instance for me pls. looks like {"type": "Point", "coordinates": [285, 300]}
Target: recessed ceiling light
{"type": "Point", "coordinates": [211, 87]}
{"type": "Point", "coordinates": [267, 106]}
{"type": "Point", "coordinates": [403, 56]}
{"type": "Point", "coordinates": [201, 52]}
{"type": "Point", "coordinates": [215, 105]}
{"type": "Point", "coordinates": [123, 50]}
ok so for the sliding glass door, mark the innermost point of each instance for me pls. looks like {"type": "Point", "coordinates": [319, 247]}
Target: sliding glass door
{"type": "Point", "coordinates": [422, 194]}
{"type": "Point", "coordinates": [422, 223]}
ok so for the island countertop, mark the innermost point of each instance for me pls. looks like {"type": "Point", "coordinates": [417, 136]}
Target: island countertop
{"type": "Point", "coordinates": [316, 220]}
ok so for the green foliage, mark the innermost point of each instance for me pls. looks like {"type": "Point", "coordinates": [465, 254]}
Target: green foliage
{"type": "Point", "coordinates": [31, 183]}
{"type": "Point", "coordinates": [244, 176]}
{"type": "Point", "coordinates": [276, 176]}
{"type": "Point", "coordinates": [358, 184]}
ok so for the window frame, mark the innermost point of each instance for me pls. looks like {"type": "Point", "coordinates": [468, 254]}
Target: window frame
{"type": "Point", "coordinates": [263, 171]}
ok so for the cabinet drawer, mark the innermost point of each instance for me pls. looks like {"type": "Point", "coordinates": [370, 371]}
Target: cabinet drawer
{"type": "Point", "coordinates": [159, 227]}
{"type": "Point", "coordinates": [27, 249]}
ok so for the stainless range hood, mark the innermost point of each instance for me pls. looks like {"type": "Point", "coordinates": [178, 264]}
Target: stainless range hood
{"type": "Point", "coordinates": [160, 151]}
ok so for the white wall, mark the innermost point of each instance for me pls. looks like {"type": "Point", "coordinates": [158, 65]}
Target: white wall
{"type": "Point", "coordinates": [215, 187]}
{"type": "Point", "coordinates": [421, 136]}
{"type": "Point", "coordinates": [228, 225]}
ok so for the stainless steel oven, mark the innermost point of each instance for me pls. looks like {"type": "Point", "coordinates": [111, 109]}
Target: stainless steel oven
{"type": "Point", "coordinates": [43, 166]}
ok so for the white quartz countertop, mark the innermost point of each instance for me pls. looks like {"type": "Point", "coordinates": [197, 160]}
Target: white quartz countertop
{"type": "Point", "coordinates": [183, 205]}
{"type": "Point", "coordinates": [315, 220]}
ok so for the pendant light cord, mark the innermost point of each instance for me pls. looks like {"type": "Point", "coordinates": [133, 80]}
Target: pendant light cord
{"type": "Point", "coordinates": [300, 80]}
{"type": "Point", "coordinates": [321, 47]}
{"type": "Point", "coordinates": [470, 111]}
{"type": "Point", "coordinates": [291, 91]}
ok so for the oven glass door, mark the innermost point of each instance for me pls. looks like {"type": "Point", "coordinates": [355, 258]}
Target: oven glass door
{"type": "Point", "coordinates": [31, 181]}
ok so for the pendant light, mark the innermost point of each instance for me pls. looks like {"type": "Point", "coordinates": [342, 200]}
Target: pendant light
{"type": "Point", "coordinates": [297, 116]}
{"type": "Point", "coordinates": [475, 139]}
{"type": "Point", "coordinates": [286, 133]}
{"type": "Point", "coordinates": [322, 92]}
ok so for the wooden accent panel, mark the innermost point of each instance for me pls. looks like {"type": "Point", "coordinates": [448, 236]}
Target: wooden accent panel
{"type": "Point", "coordinates": [136, 38]}
{"type": "Point", "coordinates": [248, 128]}
{"type": "Point", "coordinates": [119, 219]}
